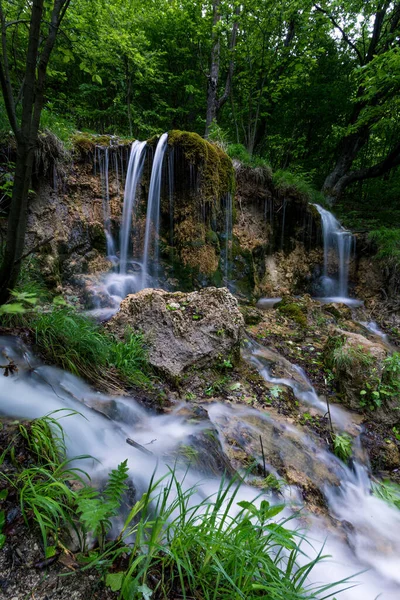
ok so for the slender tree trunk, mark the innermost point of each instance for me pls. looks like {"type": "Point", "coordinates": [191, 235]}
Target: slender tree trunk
{"type": "Point", "coordinates": [213, 76]}
{"type": "Point", "coordinates": [17, 220]}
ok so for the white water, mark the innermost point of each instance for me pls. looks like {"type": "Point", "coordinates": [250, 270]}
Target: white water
{"type": "Point", "coordinates": [339, 241]}
{"type": "Point", "coordinates": [153, 210]}
{"type": "Point", "coordinates": [373, 539]}
{"type": "Point", "coordinates": [133, 175]}
{"type": "Point", "coordinates": [263, 359]}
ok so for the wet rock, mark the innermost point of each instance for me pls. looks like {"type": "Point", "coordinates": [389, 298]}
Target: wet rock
{"type": "Point", "coordinates": [183, 330]}
{"type": "Point", "coordinates": [338, 310]}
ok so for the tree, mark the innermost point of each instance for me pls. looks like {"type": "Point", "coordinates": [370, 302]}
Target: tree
{"type": "Point", "coordinates": [24, 102]}
{"type": "Point", "coordinates": [214, 104]}
{"type": "Point", "coordinates": [370, 33]}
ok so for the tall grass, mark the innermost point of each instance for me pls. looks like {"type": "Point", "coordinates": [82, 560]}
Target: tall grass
{"type": "Point", "coordinates": [81, 346]}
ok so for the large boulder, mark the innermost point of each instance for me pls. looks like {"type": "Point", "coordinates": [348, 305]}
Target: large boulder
{"type": "Point", "coordinates": [183, 330]}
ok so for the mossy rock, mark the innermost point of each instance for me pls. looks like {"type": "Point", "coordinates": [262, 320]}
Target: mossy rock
{"type": "Point", "coordinates": [215, 166]}
{"type": "Point", "coordinates": [294, 311]}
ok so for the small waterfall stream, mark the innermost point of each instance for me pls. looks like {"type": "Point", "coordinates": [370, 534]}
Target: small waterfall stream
{"type": "Point", "coordinates": [153, 213]}
{"type": "Point", "coordinates": [339, 242]}
{"type": "Point", "coordinates": [133, 175]}
{"type": "Point", "coordinates": [365, 536]}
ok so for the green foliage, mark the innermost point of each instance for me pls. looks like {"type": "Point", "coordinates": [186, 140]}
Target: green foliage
{"type": "Point", "coordinates": [342, 446]}
{"type": "Point", "coordinates": [387, 491]}
{"type": "Point", "coordinates": [3, 496]}
{"type": "Point", "coordinates": [388, 244]}
{"type": "Point", "coordinates": [300, 183]}
{"type": "Point", "coordinates": [81, 346]}
{"type": "Point", "coordinates": [216, 547]}
{"type": "Point", "coordinates": [130, 358]}
{"type": "Point", "coordinates": [96, 510]}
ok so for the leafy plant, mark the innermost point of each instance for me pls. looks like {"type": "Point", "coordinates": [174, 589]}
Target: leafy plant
{"type": "Point", "coordinates": [342, 446]}
{"type": "Point", "coordinates": [387, 491]}
{"type": "Point", "coordinates": [96, 510]}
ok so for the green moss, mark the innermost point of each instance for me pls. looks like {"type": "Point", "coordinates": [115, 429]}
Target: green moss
{"type": "Point", "coordinates": [293, 311]}
{"type": "Point", "coordinates": [215, 166]}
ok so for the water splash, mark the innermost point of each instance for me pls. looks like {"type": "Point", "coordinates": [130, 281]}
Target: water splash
{"type": "Point", "coordinates": [153, 211]}
{"type": "Point", "coordinates": [339, 241]}
{"type": "Point", "coordinates": [133, 175]}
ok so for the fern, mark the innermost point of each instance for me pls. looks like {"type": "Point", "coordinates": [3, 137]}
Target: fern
{"type": "Point", "coordinates": [116, 485]}
{"type": "Point", "coordinates": [96, 511]}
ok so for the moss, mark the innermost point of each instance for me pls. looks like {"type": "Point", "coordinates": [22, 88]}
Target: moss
{"type": "Point", "coordinates": [293, 311]}
{"type": "Point", "coordinates": [85, 143]}
{"type": "Point", "coordinates": [215, 166]}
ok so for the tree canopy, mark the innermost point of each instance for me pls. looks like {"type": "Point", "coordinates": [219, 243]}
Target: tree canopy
{"type": "Point", "coordinates": [310, 86]}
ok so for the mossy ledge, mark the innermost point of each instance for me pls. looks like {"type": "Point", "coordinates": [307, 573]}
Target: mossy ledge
{"type": "Point", "coordinates": [214, 165]}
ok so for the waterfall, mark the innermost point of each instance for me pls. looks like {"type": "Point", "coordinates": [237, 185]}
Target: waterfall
{"type": "Point", "coordinates": [228, 234]}
{"type": "Point", "coordinates": [171, 195]}
{"type": "Point", "coordinates": [153, 210]}
{"type": "Point", "coordinates": [339, 241]}
{"type": "Point", "coordinates": [104, 160]}
{"type": "Point", "coordinates": [133, 175]}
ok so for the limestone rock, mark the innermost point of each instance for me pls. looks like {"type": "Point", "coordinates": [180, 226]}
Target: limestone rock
{"type": "Point", "coordinates": [183, 330]}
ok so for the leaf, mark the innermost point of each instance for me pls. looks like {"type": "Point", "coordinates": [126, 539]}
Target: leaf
{"type": "Point", "coordinates": [145, 591]}
{"type": "Point", "coordinates": [2, 540]}
{"type": "Point", "coordinates": [2, 519]}
{"type": "Point", "coordinates": [97, 78]}
{"type": "Point", "coordinates": [235, 386]}
{"type": "Point", "coordinates": [12, 309]}
{"type": "Point", "coordinates": [115, 580]}
{"type": "Point", "coordinates": [3, 494]}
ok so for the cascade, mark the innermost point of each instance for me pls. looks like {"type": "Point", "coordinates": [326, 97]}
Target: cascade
{"type": "Point", "coordinates": [228, 235]}
{"type": "Point", "coordinates": [153, 212]}
{"type": "Point", "coordinates": [366, 543]}
{"type": "Point", "coordinates": [339, 241]}
{"type": "Point", "coordinates": [171, 195]}
{"type": "Point", "coordinates": [133, 175]}
{"type": "Point", "coordinates": [104, 159]}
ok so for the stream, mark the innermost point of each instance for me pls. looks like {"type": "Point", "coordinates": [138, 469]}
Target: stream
{"type": "Point", "coordinates": [361, 534]}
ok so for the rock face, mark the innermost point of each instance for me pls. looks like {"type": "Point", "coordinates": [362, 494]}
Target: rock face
{"type": "Point", "coordinates": [183, 330]}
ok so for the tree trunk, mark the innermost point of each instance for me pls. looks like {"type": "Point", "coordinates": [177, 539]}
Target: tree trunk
{"type": "Point", "coordinates": [348, 151]}
{"type": "Point", "coordinates": [17, 219]}
{"type": "Point", "coordinates": [212, 84]}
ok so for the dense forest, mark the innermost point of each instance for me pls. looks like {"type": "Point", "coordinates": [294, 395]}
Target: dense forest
{"type": "Point", "coordinates": [199, 299]}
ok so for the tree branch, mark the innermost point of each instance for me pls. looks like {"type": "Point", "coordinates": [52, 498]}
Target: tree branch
{"type": "Point", "coordinates": [391, 161]}
{"type": "Point", "coordinates": [229, 76]}
{"type": "Point", "coordinates": [344, 34]}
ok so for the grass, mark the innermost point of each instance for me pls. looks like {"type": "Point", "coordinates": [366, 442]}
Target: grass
{"type": "Point", "coordinates": [81, 346]}
{"type": "Point", "coordinates": [74, 341]}
{"type": "Point", "coordinates": [287, 181]}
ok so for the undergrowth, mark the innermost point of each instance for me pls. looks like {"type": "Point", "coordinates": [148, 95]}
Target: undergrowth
{"type": "Point", "coordinates": [74, 341]}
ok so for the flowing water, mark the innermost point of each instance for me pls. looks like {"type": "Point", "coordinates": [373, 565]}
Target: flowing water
{"type": "Point", "coordinates": [151, 241]}
{"type": "Point", "coordinates": [104, 161]}
{"type": "Point", "coordinates": [133, 175]}
{"type": "Point", "coordinates": [364, 537]}
{"type": "Point", "coordinates": [338, 245]}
